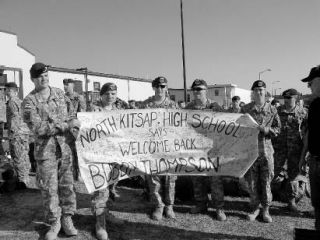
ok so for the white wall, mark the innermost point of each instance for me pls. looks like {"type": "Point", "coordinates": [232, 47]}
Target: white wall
{"type": "Point", "coordinates": [14, 56]}
{"type": "Point", "coordinates": [127, 89]}
{"type": "Point", "coordinates": [244, 94]}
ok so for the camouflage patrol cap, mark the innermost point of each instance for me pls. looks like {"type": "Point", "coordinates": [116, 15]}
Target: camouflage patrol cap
{"type": "Point", "coordinates": [199, 83]}
{"type": "Point", "coordinates": [66, 81]}
{"type": "Point", "coordinates": [290, 92]}
{"type": "Point", "coordinates": [159, 81]}
{"type": "Point", "coordinates": [258, 83]}
{"type": "Point", "coordinates": [37, 69]}
{"type": "Point", "coordinates": [11, 85]}
{"type": "Point", "coordinates": [108, 87]}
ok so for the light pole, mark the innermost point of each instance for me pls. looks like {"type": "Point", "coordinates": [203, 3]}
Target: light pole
{"type": "Point", "coordinates": [266, 70]}
{"type": "Point", "coordinates": [275, 91]}
{"type": "Point", "coordinates": [183, 55]}
{"type": "Point", "coordinates": [85, 71]}
{"type": "Point", "coordinates": [272, 93]}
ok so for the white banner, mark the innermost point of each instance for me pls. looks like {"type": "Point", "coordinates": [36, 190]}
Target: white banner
{"type": "Point", "coordinates": [118, 144]}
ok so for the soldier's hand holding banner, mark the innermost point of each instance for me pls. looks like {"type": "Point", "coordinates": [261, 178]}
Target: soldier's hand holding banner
{"type": "Point", "coordinates": [119, 144]}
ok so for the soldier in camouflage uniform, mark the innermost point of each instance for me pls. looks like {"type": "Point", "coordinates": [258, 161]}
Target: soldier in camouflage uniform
{"type": "Point", "coordinates": [262, 170]}
{"type": "Point", "coordinates": [109, 101]}
{"type": "Point", "coordinates": [288, 145]}
{"type": "Point", "coordinates": [200, 183]}
{"type": "Point", "coordinates": [235, 108]}
{"type": "Point", "coordinates": [78, 105]}
{"type": "Point", "coordinates": [45, 112]}
{"type": "Point", "coordinates": [155, 182]}
{"type": "Point", "coordinates": [18, 135]}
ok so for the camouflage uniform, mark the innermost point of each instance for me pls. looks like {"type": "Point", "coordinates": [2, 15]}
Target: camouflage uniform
{"type": "Point", "coordinates": [48, 120]}
{"type": "Point", "coordinates": [201, 183]}
{"type": "Point", "coordinates": [19, 139]}
{"type": "Point", "coordinates": [156, 183]}
{"type": "Point", "coordinates": [99, 198]}
{"type": "Point", "coordinates": [262, 171]}
{"type": "Point", "coordinates": [78, 104]}
{"type": "Point", "coordinates": [288, 145]}
{"type": "Point", "coordinates": [234, 110]}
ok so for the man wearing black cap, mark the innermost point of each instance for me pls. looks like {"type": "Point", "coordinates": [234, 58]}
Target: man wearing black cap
{"type": "Point", "coordinates": [200, 183]}
{"type": "Point", "coordinates": [288, 144]}
{"type": "Point", "coordinates": [18, 135]}
{"type": "Point", "coordinates": [78, 105]}
{"type": "Point", "coordinates": [312, 142]}
{"type": "Point", "coordinates": [45, 112]}
{"type": "Point", "coordinates": [161, 100]}
{"type": "Point", "coordinates": [235, 108]}
{"type": "Point", "coordinates": [262, 171]}
{"type": "Point", "coordinates": [109, 102]}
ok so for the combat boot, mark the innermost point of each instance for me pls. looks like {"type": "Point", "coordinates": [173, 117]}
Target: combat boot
{"type": "Point", "coordinates": [168, 212]}
{"type": "Point", "coordinates": [221, 216]}
{"type": "Point", "coordinates": [157, 213]}
{"type": "Point", "coordinates": [67, 225]}
{"type": "Point", "coordinates": [292, 205]}
{"type": "Point", "coordinates": [253, 215]}
{"type": "Point", "coordinates": [266, 215]}
{"type": "Point", "coordinates": [101, 232]}
{"type": "Point", "coordinates": [199, 208]}
{"type": "Point", "coordinates": [55, 227]}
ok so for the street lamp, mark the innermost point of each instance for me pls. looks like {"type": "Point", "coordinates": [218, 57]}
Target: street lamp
{"type": "Point", "coordinates": [266, 70]}
{"type": "Point", "coordinates": [272, 93]}
{"type": "Point", "coordinates": [85, 71]}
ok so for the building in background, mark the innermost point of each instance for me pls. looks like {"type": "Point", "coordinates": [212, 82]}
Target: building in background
{"type": "Point", "coordinates": [221, 93]}
{"type": "Point", "coordinates": [16, 61]}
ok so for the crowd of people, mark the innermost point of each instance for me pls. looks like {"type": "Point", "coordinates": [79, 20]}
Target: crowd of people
{"type": "Point", "coordinates": [287, 139]}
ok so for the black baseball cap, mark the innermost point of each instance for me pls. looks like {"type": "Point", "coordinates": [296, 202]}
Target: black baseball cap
{"type": "Point", "coordinates": [11, 85]}
{"type": "Point", "coordinates": [290, 92]}
{"type": "Point", "coordinates": [199, 83]}
{"type": "Point", "coordinates": [66, 81]}
{"type": "Point", "coordinates": [37, 69]}
{"type": "Point", "coordinates": [108, 87]}
{"type": "Point", "coordinates": [258, 83]}
{"type": "Point", "coordinates": [314, 72]}
{"type": "Point", "coordinates": [235, 98]}
{"type": "Point", "coordinates": [159, 81]}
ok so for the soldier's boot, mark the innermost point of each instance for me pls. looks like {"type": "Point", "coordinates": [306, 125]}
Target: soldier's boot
{"type": "Point", "coordinates": [112, 219]}
{"type": "Point", "coordinates": [221, 216]}
{"type": "Point", "coordinates": [54, 230]}
{"type": "Point", "coordinates": [266, 215]}
{"type": "Point", "coordinates": [253, 215]}
{"type": "Point", "coordinates": [292, 205]}
{"type": "Point", "coordinates": [67, 226]}
{"type": "Point", "coordinates": [101, 232]}
{"type": "Point", "coordinates": [157, 213]}
{"type": "Point", "coordinates": [199, 208]}
{"type": "Point", "coordinates": [168, 212]}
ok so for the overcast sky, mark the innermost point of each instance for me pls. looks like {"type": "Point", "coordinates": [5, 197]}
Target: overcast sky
{"type": "Point", "coordinates": [226, 41]}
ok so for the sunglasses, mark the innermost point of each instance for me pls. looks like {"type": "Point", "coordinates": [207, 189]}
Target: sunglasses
{"type": "Point", "coordinates": [160, 86]}
{"type": "Point", "coordinates": [198, 89]}
{"type": "Point", "coordinates": [287, 97]}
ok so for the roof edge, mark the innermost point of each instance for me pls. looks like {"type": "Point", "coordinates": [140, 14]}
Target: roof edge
{"type": "Point", "coordinates": [68, 70]}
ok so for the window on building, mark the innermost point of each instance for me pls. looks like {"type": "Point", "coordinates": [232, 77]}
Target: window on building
{"type": "Point", "coordinates": [216, 92]}
{"type": "Point", "coordinates": [96, 86]}
{"type": "Point", "coordinates": [188, 97]}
